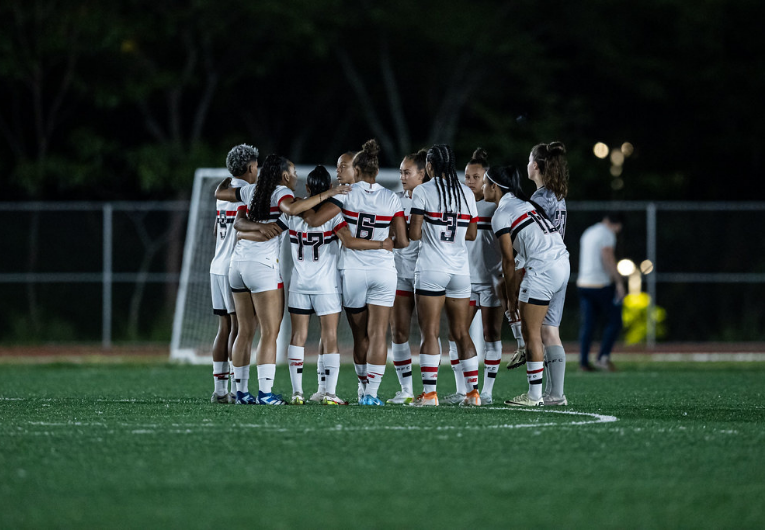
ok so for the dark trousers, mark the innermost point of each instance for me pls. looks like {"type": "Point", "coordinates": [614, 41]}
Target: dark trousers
{"type": "Point", "coordinates": [593, 305]}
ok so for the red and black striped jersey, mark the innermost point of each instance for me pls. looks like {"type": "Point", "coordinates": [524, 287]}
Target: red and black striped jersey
{"type": "Point", "coordinates": [315, 252]}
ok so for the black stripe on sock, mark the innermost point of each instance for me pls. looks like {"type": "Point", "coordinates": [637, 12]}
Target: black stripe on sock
{"type": "Point", "coordinates": [300, 370]}
{"type": "Point", "coordinates": [492, 375]}
{"type": "Point", "coordinates": [535, 382]}
{"type": "Point", "coordinates": [407, 374]}
{"type": "Point", "coordinates": [429, 382]}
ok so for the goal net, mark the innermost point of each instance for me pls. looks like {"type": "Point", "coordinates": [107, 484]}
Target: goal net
{"type": "Point", "coordinates": [194, 324]}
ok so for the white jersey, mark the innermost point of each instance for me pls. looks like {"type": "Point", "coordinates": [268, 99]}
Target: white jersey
{"type": "Point", "coordinates": [314, 255]}
{"type": "Point", "coordinates": [369, 210]}
{"type": "Point", "coordinates": [484, 253]}
{"type": "Point", "coordinates": [406, 258]}
{"type": "Point", "coordinates": [592, 273]}
{"type": "Point", "coordinates": [555, 209]}
{"type": "Point", "coordinates": [225, 235]}
{"type": "Point", "coordinates": [443, 229]}
{"type": "Point", "coordinates": [535, 239]}
{"type": "Point", "coordinates": [266, 252]}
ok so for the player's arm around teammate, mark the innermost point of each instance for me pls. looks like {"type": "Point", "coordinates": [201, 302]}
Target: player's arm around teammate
{"type": "Point", "coordinates": [346, 176]}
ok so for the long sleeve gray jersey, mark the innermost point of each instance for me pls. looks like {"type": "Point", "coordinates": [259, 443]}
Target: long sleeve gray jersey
{"type": "Point", "coordinates": [554, 209]}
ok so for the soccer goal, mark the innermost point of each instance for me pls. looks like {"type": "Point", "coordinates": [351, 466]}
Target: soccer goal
{"type": "Point", "coordinates": [194, 324]}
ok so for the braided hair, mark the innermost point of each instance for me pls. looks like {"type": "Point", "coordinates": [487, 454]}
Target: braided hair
{"type": "Point", "coordinates": [270, 176]}
{"type": "Point", "coordinates": [508, 179]}
{"type": "Point", "coordinates": [442, 160]}
{"type": "Point", "coordinates": [551, 159]}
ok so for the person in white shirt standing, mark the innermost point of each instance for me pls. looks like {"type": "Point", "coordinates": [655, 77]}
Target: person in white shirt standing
{"type": "Point", "coordinates": [413, 174]}
{"type": "Point", "coordinates": [548, 169]}
{"type": "Point", "coordinates": [523, 228]}
{"type": "Point", "coordinates": [444, 216]}
{"type": "Point", "coordinates": [601, 289]}
{"type": "Point", "coordinates": [254, 273]}
{"type": "Point", "coordinates": [242, 163]}
{"type": "Point", "coordinates": [369, 277]}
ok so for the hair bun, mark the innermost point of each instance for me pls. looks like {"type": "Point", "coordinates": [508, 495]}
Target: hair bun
{"type": "Point", "coordinates": [480, 154]}
{"type": "Point", "coordinates": [371, 147]}
{"type": "Point", "coordinates": [556, 148]}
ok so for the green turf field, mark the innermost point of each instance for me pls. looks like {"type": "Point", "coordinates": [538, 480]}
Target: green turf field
{"type": "Point", "coordinates": [140, 446]}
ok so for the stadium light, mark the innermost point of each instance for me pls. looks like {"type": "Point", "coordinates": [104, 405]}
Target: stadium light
{"type": "Point", "coordinates": [646, 266]}
{"type": "Point", "coordinates": [600, 150]}
{"type": "Point", "coordinates": [626, 267]}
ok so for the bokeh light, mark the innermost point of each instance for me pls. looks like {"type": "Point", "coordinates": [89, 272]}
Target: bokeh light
{"type": "Point", "coordinates": [626, 267]}
{"type": "Point", "coordinates": [600, 150]}
{"type": "Point", "coordinates": [646, 266]}
{"type": "Point", "coordinates": [627, 149]}
{"type": "Point", "coordinates": [617, 158]}
{"type": "Point", "coordinates": [616, 171]}
{"type": "Point", "coordinates": [617, 184]}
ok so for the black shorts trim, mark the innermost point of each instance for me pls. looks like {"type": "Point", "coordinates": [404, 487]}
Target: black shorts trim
{"type": "Point", "coordinates": [245, 290]}
{"type": "Point", "coordinates": [424, 292]}
{"type": "Point", "coordinates": [355, 310]}
{"type": "Point", "coordinates": [220, 312]}
{"type": "Point", "coordinates": [299, 311]}
{"type": "Point", "coordinates": [535, 301]}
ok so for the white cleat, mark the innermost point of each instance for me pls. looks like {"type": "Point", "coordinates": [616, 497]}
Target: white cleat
{"type": "Point", "coordinates": [402, 397]}
{"type": "Point", "coordinates": [426, 399]}
{"type": "Point", "coordinates": [517, 359]}
{"type": "Point", "coordinates": [361, 391]}
{"type": "Point", "coordinates": [318, 396]}
{"type": "Point", "coordinates": [297, 399]}
{"type": "Point", "coordinates": [453, 399]}
{"type": "Point", "coordinates": [524, 401]}
{"type": "Point", "coordinates": [486, 398]}
{"type": "Point", "coordinates": [554, 401]}
{"type": "Point", "coordinates": [225, 399]}
{"type": "Point", "coordinates": [329, 399]}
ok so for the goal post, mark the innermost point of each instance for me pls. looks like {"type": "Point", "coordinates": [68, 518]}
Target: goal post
{"type": "Point", "coordinates": [195, 325]}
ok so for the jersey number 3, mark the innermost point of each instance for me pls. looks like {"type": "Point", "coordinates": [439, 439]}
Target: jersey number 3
{"type": "Point", "coordinates": [365, 228]}
{"type": "Point", "coordinates": [450, 220]}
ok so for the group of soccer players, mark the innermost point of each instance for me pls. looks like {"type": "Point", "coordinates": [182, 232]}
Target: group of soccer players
{"type": "Point", "coordinates": [440, 244]}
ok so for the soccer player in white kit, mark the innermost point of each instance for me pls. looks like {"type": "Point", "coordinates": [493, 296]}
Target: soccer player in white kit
{"type": "Point", "coordinates": [412, 171]}
{"type": "Point", "coordinates": [254, 272]}
{"type": "Point", "coordinates": [369, 277]}
{"type": "Point", "coordinates": [443, 216]}
{"type": "Point", "coordinates": [548, 169]}
{"type": "Point", "coordinates": [521, 228]}
{"type": "Point", "coordinates": [242, 163]}
{"type": "Point", "coordinates": [485, 261]}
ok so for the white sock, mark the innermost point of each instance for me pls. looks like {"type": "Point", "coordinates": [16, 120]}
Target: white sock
{"type": "Point", "coordinates": [295, 356]}
{"type": "Point", "coordinates": [517, 333]}
{"type": "Point", "coordinates": [331, 371]}
{"type": "Point", "coordinates": [556, 369]}
{"type": "Point", "coordinates": [402, 360]}
{"type": "Point", "coordinates": [534, 375]}
{"type": "Point", "coordinates": [266, 374]}
{"type": "Point", "coordinates": [459, 379]}
{"type": "Point", "coordinates": [548, 375]}
{"type": "Point", "coordinates": [470, 371]}
{"type": "Point", "coordinates": [491, 358]}
{"type": "Point", "coordinates": [321, 375]}
{"type": "Point", "coordinates": [220, 375]}
{"type": "Point", "coordinates": [242, 377]}
{"type": "Point", "coordinates": [375, 374]}
{"type": "Point", "coordinates": [361, 373]}
{"type": "Point", "coordinates": [429, 371]}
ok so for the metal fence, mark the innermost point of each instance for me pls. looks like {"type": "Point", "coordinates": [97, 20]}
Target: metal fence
{"type": "Point", "coordinates": [689, 244]}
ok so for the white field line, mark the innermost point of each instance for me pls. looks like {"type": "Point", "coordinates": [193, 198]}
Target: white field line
{"type": "Point", "coordinates": [588, 418]}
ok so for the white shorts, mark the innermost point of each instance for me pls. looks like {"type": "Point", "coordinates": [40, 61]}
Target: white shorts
{"type": "Point", "coordinates": [222, 301]}
{"type": "Point", "coordinates": [321, 304]}
{"type": "Point", "coordinates": [405, 287]}
{"type": "Point", "coordinates": [254, 277]}
{"type": "Point", "coordinates": [368, 286]}
{"type": "Point", "coordinates": [483, 295]}
{"type": "Point", "coordinates": [436, 283]}
{"type": "Point", "coordinates": [540, 288]}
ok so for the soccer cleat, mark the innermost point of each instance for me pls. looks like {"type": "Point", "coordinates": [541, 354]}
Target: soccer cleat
{"type": "Point", "coordinates": [472, 399]}
{"type": "Point", "coordinates": [318, 397]}
{"type": "Point", "coordinates": [402, 397]}
{"type": "Point", "coordinates": [270, 399]}
{"type": "Point", "coordinates": [524, 401]}
{"type": "Point", "coordinates": [517, 359]}
{"type": "Point", "coordinates": [453, 399]}
{"type": "Point", "coordinates": [225, 399]}
{"type": "Point", "coordinates": [553, 401]}
{"type": "Point", "coordinates": [361, 391]}
{"type": "Point", "coordinates": [329, 399]}
{"type": "Point", "coordinates": [486, 398]}
{"type": "Point", "coordinates": [604, 363]}
{"type": "Point", "coordinates": [587, 368]}
{"type": "Point", "coordinates": [232, 397]}
{"type": "Point", "coordinates": [426, 399]}
{"type": "Point", "coordinates": [245, 398]}
{"type": "Point", "coordinates": [371, 400]}
{"type": "Point", "coordinates": [297, 399]}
